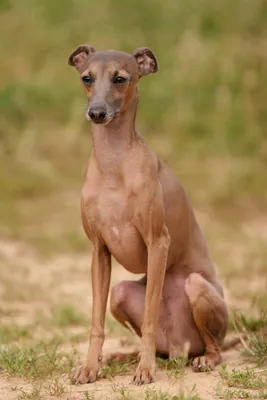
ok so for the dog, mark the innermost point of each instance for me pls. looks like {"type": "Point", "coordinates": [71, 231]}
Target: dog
{"type": "Point", "coordinates": [134, 207]}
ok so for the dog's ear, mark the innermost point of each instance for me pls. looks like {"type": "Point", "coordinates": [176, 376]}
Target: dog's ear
{"type": "Point", "coordinates": [146, 61]}
{"type": "Point", "coordinates": [79, 55]}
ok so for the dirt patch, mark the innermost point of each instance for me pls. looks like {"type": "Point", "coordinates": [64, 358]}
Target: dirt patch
{"type": "Point", "coordinates": [204, 384]}
{"type": "Point", "coordinates": [31, 289]}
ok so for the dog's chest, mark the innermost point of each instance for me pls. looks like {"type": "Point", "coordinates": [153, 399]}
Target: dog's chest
{"type": "Point", "coordinates": [107, 208]}
{"type": "Point", "coordinates": [110, 213]}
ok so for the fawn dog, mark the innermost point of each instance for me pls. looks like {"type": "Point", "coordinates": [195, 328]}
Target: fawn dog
{"type": "Point", "coordinates": [134, 208]}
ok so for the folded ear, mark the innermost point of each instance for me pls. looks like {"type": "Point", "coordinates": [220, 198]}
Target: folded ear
{"type": "Point", "coordinates": [79, 55]}
{"type": "Point", "coordinates": [146, 61]}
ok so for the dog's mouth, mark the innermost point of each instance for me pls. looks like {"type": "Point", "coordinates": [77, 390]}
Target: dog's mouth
{"type": "Point", "coordinates": [98, 122]}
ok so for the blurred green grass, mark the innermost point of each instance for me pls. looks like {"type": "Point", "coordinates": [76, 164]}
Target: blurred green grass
{"type": "Point", "coordinates": [205, 112]}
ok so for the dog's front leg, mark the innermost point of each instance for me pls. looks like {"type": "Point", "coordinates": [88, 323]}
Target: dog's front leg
{"type": "Point", "coordinates": [101, 271]}
{"type": "Point", "coordinates": [158, 245]}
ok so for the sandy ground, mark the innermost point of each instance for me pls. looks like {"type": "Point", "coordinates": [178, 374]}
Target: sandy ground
{"type": "Point", "coordinates": [30, 286]}
{"type": "Point", "coordinates": [205, 384]}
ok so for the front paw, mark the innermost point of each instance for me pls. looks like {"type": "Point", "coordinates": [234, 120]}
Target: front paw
{"type": "Point", "coordinates": [144, 374]}
{"type": "Point", "coordinates": [85, 374]}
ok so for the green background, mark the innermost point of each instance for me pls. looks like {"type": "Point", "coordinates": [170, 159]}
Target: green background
{"type": "Point", "coordinates": [204, 112]}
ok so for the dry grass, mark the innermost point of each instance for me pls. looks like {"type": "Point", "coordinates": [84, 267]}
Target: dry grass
{"type": "Point", "coordinates": [247, 379]}
{"type": "Point", "coordinates": [56, 307]}
{"type": "Point", "coordinates": [40, 360]}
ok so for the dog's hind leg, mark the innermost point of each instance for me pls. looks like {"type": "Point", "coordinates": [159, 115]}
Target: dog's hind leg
{"type": "Point", "coordinates": [210, 315]}
{"type": "Point", "coordinates": [127, 303]}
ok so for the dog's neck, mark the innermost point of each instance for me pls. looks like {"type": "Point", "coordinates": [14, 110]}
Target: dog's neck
{"type": "Point", "coordinates": [111, 142]}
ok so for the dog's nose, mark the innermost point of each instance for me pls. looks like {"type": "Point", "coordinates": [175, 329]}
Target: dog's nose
{"type": "Point", "coordinates": [98, 114]}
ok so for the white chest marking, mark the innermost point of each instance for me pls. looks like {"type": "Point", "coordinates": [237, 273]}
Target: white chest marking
{"type": "Point", "coordinates": [116, 231]}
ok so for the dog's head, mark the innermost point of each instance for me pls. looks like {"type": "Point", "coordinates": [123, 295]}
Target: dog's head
{"type": "Point", "coordinates": [109, 78]}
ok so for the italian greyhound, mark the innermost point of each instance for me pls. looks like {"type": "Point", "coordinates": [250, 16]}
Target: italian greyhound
{"type": "Point", "coordinates": [134, 208]}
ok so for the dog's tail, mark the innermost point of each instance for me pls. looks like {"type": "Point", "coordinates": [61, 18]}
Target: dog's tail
{"type": "Point", "coordinates": [231, 343]}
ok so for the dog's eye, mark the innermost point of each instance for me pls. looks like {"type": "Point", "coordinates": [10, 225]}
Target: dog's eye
{"type": "Point", "coordinates": [120, 79]}
{"type": "Point", "coordinates": [87, 79]}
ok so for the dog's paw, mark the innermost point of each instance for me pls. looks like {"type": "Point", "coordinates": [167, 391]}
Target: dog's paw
{"type": "Point", "coordinates": [205, 363]}
{"type": "Point", "coordinates": [143, 375]}
{"type": "Point", "coordinates": [84, 374]}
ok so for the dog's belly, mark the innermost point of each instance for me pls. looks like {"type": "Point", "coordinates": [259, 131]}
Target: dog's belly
{"type": "Point", "coordinates": [126, 245]}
